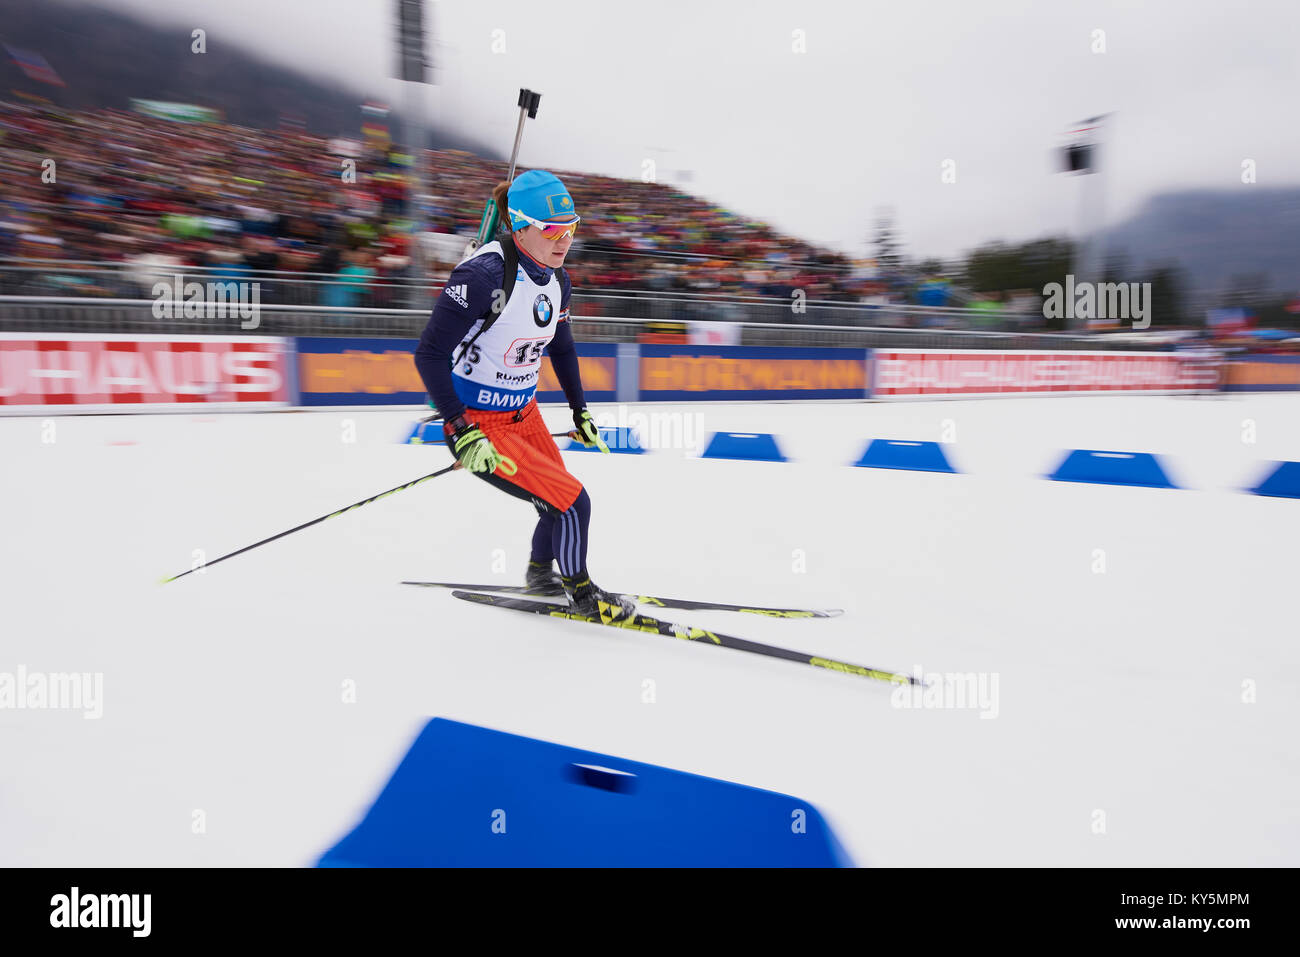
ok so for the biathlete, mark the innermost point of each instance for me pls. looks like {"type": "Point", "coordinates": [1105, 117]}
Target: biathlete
{"type": "Point", "coordinates": [479, 358]}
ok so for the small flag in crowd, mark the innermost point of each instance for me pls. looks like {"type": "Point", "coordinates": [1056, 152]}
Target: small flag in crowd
{"type": "Point", "coordinates": [34, 65]}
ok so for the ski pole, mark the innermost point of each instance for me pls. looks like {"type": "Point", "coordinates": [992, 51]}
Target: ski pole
{"type": "Point", "coordinates": [316, 521]}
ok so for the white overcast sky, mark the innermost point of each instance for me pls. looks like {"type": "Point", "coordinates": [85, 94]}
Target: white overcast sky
{"type": "Point", "coordinates": [817, 142]}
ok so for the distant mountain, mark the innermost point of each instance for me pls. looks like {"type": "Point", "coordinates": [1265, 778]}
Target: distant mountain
{"type": "Point", "coordinates": [107, 58]}
{"type": "Point", "coordinates": [1216, 234]}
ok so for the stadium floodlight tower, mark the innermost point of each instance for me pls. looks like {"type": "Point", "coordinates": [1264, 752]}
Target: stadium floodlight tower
{"type": "Point", "coordinates": [413, 70]}
{"type": "Point", "coordinates": [1083, 156]}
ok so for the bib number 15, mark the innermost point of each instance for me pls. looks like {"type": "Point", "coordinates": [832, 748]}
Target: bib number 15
{"type": "Point", "coordinates": [527, 352]}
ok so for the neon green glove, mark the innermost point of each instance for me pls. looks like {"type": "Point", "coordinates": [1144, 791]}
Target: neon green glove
{"type": "Point", "coordinates": [474, 450]}
{"type": "Point", "coordinates": [588, 434]}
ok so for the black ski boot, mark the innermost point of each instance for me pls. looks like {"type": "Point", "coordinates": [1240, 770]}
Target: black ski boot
{"type": "Point", "coordinates": [542, 579]}
{"type": "Point", "coordinates": [591, 602]}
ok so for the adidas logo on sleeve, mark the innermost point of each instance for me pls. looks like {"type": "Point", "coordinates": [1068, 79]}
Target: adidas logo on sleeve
{"type": "Point", "coordinates": [459, 295]}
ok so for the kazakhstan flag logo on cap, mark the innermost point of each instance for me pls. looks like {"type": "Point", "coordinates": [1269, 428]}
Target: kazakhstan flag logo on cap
{"type": "Point", "coordinates": [559, 204]}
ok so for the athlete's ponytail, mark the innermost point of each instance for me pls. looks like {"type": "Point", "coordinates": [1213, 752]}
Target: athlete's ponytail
{"type": "Point", "coordinates": [499, 197]}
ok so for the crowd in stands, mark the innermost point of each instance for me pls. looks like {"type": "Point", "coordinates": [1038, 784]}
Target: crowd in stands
{"type": "Point", "coordinates": [637, 235]}
{"type": "Point", "coordinates": [332, 222]}
{"type": "Point", "coordinates": [155, 194]}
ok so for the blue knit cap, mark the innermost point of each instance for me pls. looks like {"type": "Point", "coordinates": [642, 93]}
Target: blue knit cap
{"type": "Point", "coordinates": [542, 196]}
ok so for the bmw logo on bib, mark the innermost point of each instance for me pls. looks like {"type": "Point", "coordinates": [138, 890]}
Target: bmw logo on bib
{"type": "Point", "coordinates": [543, 311]}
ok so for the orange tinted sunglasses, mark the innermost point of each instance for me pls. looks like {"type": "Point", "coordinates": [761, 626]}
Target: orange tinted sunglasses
{"type": "Point", "coordinates": [551, 231]}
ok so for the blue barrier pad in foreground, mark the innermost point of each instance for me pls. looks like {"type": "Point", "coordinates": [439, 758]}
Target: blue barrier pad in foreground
{"type": "Point", "coordinates": [466, 796]}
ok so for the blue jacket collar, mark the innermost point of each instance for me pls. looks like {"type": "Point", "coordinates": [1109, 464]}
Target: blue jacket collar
{"type": "Point", "coordinates": [536, 271]}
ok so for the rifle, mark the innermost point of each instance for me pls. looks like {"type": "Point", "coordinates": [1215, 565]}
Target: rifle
{"type": "Point", "coordinates": [490, 220]}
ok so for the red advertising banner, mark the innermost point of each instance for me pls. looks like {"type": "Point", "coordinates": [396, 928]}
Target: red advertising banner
{"type": "Point", "coordinates": [982, 373]}
{"type": "Point", "coordinates": [90, 373]}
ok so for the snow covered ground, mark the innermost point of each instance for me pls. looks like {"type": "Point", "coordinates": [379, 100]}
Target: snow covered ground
{"type": "Point", "coordinates": [1143, 641]}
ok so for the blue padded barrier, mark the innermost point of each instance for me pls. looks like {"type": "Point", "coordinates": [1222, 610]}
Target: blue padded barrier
{"type": "Point", "coordinates": [1112, 468]}
{"type": "Point", "coordinates": [897, 454]}
{"type": "Point", "coordinates": [754, 446]}
{"type": "Point", "coordinates": [466, 796]}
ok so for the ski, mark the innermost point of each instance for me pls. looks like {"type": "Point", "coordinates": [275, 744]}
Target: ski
{"type": "Point", "coordinates": [682, 603]}
{"type": "Point", "coordinates": [668, 629]}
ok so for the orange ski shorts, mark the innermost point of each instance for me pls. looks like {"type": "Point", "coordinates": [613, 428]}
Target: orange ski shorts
{"type": "Point", "coordinates": [524, 438]}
